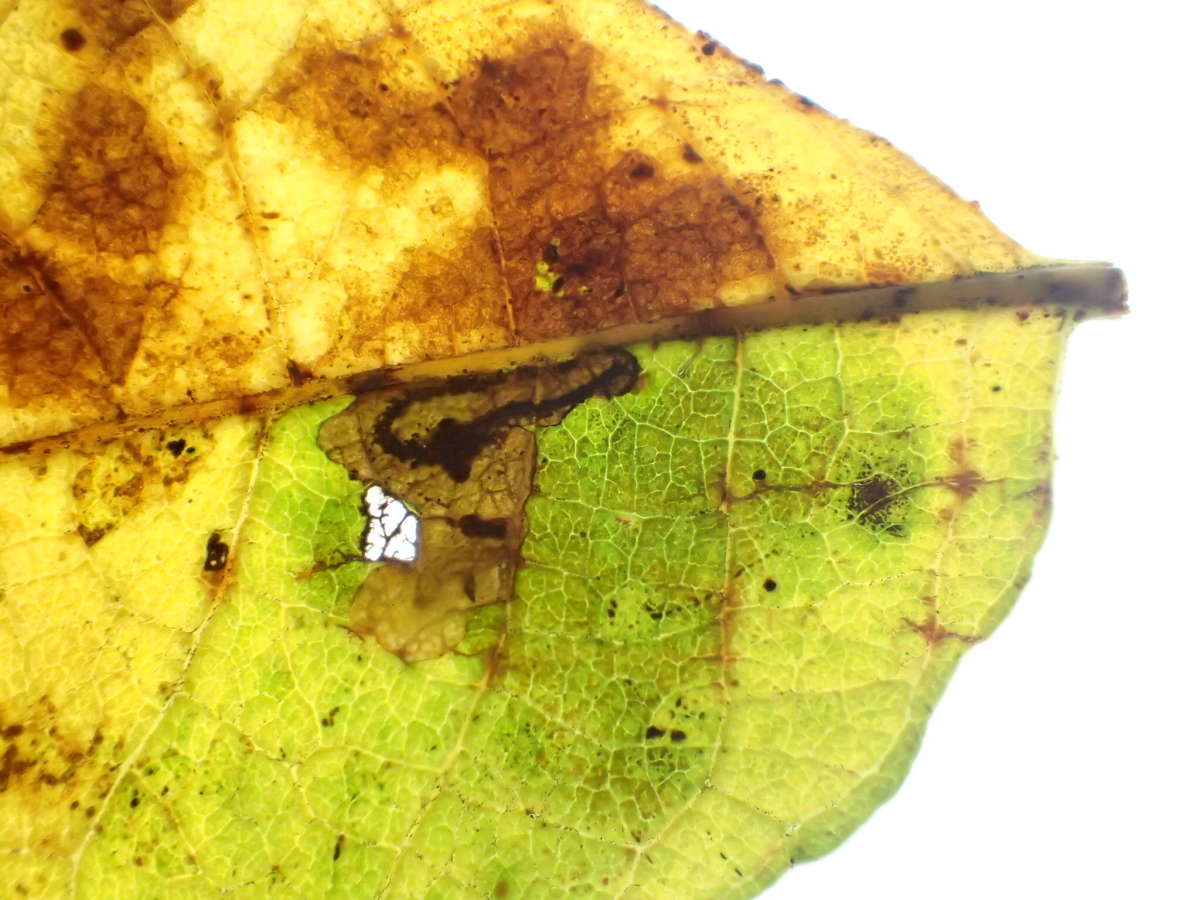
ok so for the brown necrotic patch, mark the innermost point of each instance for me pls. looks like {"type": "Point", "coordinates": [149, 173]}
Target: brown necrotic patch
{"type": "Point", "coordinates": [114, 21]}
{"type": "Point", "coordinates": [43, 348]}
{"type": "Point", "coordinates": [109, 196]}
{"type": "Point", "coordinates": [122, 475]}
{"type": "Point", "coordinates": [111, 188]}
{"type": "Point", "coordinates": [462, 455]}
{"type": "Point", "coordinates": [634, 238]}
{"type": "Point", "coordinates": [47, 762]}
{"type": "Point", "coordinates": [369, 107]}
{"type": "Point", "coordinates": [370, 99]}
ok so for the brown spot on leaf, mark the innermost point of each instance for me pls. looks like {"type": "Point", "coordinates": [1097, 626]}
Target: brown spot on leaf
{"type": "Point", "coordinates": [43, 348]}
{"type": "Point", "coordinates": [111, 185]}
{"type": "Point", "coordinates": [298, 374]}
{"type": "Point", "coordinates": [92, 536]}
{"type": "Point", "coordinates": [872, 500]}
{"type": "Point", "coordinates": [107, 201]}
{"type": "Point", "coordinates": [72, 39]}
{"type": "Point", "coordinates": [117, 477]}
{"type": "Point", "coordinates": [1041, 495]}
{"type": "Point", "coordinates": [338, 91]}
{"type": "Point", "coordinates": [477, 526]}
{"type": "Point", "coordinates": [934, 632]}
{"type": "Point", "coordinates": [965, 481]}
{"type": "Point", "coordinates": [216, 553]}
{"type": "Point", "coordinates": [45, 763]}
{"type": "Point", "coordinates": [12, 766]}
{"type": "Point", "coordinates": [113, 21]}
{"type": "Point", "coordinates": [882, 274]}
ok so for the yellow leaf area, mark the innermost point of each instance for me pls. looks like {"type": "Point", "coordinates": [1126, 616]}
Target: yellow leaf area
{"type": "Point", "coordinates": [201, 201]}
{"type": "Point", "coordinates": [743, 584]}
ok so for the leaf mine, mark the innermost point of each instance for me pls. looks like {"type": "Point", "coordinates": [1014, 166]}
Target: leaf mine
{"type": "Point", "coordinates": [462, 453]}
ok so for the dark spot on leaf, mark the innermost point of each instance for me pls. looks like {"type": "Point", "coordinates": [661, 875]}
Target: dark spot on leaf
{"type": "Point", "coordinates": [216, 553]}
{"type": "Point", "coordinates": [769, 584]}
{"type": "Point", "coordinates": [871, 503]}
{"type": "Point", "coordinates": [297, 373]}
{"type": "Point", "coordinates": [16, 448]}
{"type": "Point", "coordinates": [996, 389]}
{"type": "Point", "coordinates": [709, 48]}
{"type": "Point", "coordinates": [177, 446]}
{"type": "Point", "coordinates": [72, 39]}
{"type": "Point", "coordinates": [337, 846]}
{"type": "Point", "coordinates": [653, 733]}
{"type": "Point", "coordinates": [690, 154]}
{"type": "Point", "coordinates": [92, 536]}
{"type": "Point", "coordinates": [550, 253]}
{"type": "Point", "coordinates": [677, 736]}
{"type": "Point", "coordinates": [477, 526]}
{"type": "Point", "coordinates": [642, 170]}
{"type": "Point", "coordinates": [759, 475]}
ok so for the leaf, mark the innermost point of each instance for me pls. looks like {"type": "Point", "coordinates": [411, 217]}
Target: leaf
{"type": "Point", "coordinates": [678, 612]}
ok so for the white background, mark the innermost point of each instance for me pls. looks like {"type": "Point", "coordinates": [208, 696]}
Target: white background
{"type": "Point", "coordinates": [1062, 761]}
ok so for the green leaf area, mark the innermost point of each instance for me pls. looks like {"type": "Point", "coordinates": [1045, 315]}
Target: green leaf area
{"type": "Point", "coordinates": [744, 584]}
